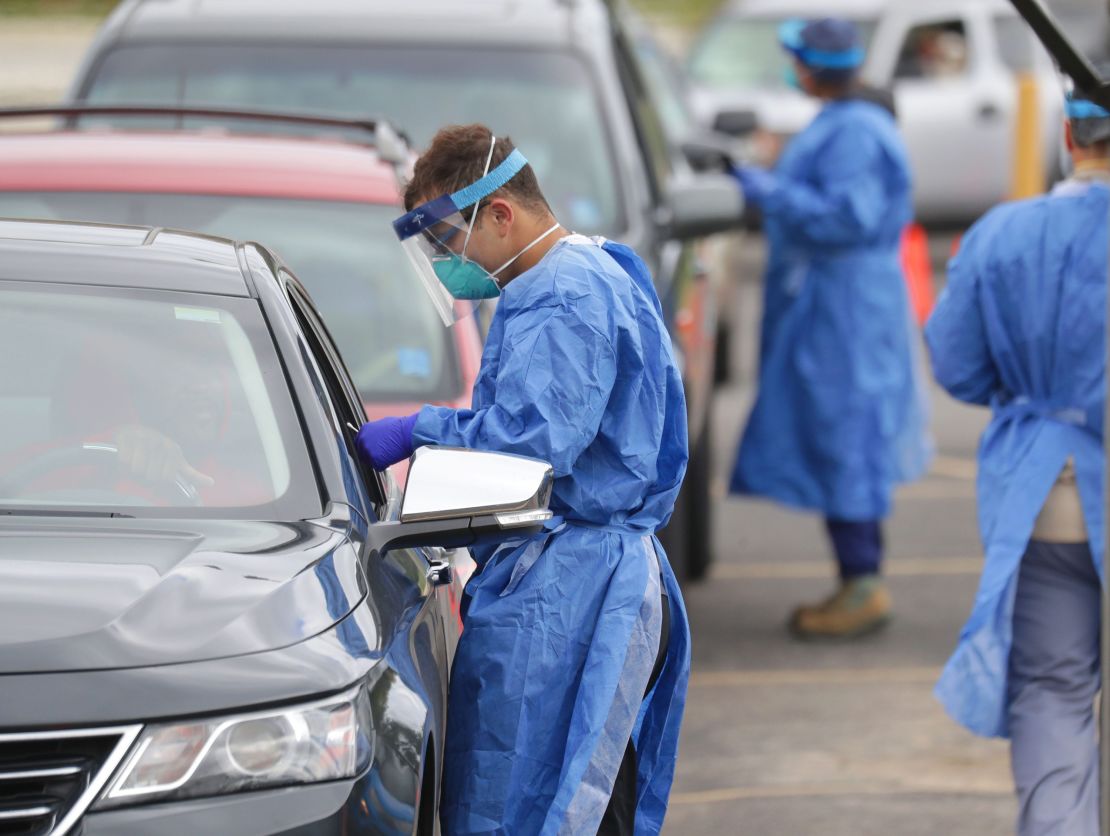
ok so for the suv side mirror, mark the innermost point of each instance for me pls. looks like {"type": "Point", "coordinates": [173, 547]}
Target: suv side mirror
{"type": "Point", "coordinates": [704, 204]}
{"type": "Point", "coordinates": [736, 122]}
{"type": "Point", "coordinates": [455, 497]}
{"type": "Point", "coordinates": [709, 151]}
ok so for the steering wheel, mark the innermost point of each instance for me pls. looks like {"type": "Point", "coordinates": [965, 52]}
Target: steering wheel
{"type": "Point", "coordinates": [98, 454]}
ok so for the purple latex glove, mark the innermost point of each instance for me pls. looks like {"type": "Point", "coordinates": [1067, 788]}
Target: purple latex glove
{"type": "Point", "coordinates": [756, 182]}
{"type": "Point", "coordinates": [385, 442]}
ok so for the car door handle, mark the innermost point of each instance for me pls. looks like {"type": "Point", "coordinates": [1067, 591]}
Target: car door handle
{"type": "Point", "coordinates": [439, 572]}
{"type": "Point", "coordinates": [989, 111]}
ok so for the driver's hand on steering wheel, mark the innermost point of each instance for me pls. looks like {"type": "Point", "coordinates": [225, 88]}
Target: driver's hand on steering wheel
{"type": "Point", "coordinates": [149, 455]}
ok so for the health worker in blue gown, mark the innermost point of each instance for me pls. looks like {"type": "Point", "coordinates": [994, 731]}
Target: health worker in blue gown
{"type": "Point", "coordinates": [1021, 328]}
{"type": "Point", "coordinates": [570, 678]}
{"type": "Point", "coordinates": [839, 418]}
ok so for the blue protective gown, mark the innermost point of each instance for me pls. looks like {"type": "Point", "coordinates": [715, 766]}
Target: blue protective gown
{"type": "Point", "coordinates": [840, 415]}
{"type": "Point", "coordinates": [1021, 327]}
{"type": "Point", "coordinates": [561, 631]}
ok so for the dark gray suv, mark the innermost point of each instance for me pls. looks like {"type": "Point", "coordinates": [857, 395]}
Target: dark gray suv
{"type": "Point", "coordinates": [561, 78]}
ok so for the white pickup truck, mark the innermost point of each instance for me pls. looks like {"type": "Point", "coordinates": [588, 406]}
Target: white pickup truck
{"type": "Point", "coordinates": [951, 65]}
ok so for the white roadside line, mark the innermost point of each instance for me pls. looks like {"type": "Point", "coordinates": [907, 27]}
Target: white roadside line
{"type": "Point", "coordinates": [810, 569]}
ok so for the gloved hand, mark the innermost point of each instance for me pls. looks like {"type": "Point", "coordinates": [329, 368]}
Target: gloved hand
{"type": "Point", "coordinates": [756, 182]}
{"type": "Point", "coordinates": [385, 442]}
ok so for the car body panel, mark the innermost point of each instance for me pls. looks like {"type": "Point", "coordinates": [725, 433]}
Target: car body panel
{"type": "Point", "coordinates": [268, 612]}
{"type": "Point", "coordinates": [194, 162]}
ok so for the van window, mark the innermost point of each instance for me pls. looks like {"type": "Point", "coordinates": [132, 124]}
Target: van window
{"type": "Point", "coordinates": [934, 51]}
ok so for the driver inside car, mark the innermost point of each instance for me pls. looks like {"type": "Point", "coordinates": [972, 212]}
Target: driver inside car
{"type": "Point", "coordinates": [165, 408]}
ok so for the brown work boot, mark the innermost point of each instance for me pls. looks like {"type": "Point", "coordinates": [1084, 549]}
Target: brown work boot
{"type": "Point", "coordinates": [859, 607]}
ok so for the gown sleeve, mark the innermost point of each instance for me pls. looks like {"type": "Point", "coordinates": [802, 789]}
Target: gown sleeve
{"type": "Point", "coordinates": [845, 203]}
{"type": "Point", "coordinates": [956, 334]}
{"type": "Point", "coordinates": [553, 384]}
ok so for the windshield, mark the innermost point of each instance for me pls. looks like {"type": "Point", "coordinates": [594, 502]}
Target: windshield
{"type": "Point", "coordinates": [390, 336]}
{"type": "Point", "coordinates": [123, 400]}
{"type": "Point", "coordinates": [745, 52]}
{"type": "Point", "coordinates": [545, 101]}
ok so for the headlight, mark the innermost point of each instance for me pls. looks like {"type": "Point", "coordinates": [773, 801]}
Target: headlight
{"type": "Point", "coordinates": [321, 741]}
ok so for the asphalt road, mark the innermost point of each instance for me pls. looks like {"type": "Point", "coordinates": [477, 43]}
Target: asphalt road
{"type": "Point", "coordinates": [784, 738]}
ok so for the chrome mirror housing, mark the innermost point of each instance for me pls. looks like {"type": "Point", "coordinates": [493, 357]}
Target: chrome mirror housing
{"type": "Point", "coordinates": [447, 483]}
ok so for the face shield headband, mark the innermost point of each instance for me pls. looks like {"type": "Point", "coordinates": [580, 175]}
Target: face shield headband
{"type": "Point", "coordinates": [425, 232]}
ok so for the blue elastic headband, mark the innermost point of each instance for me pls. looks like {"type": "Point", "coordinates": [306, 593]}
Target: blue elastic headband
{"type": "Point", "coordinates": [820, 60]}
{"type": "Point", "coordinates": [444, 206]}
{"type": "Point", "coordinates": [1084, 109]}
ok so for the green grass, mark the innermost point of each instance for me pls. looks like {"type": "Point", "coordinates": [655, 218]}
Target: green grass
{"type": "Point", "coordinates": [686, 14]}
{"type": "Point", "coordinates": [56, 8]}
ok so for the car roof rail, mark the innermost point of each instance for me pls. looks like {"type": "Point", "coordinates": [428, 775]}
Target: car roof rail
{"type": "Point", "coordinates": [391, 144]}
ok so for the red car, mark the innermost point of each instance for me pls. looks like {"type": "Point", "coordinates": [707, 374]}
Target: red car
{"type": "Point", "coordinates": [325, 205]}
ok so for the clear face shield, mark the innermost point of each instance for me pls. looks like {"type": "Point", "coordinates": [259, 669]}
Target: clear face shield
{"type": "Point", "coordinates": [435, 237]}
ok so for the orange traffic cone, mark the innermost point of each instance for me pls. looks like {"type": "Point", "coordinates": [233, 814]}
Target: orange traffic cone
{"type": "Point", "coordinates": [918, 269]}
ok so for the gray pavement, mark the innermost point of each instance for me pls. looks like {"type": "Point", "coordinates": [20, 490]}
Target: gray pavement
{"type": "Point", "coordinates": [40, 56]}
{"type": "Point", "coordinates": [788, 738]}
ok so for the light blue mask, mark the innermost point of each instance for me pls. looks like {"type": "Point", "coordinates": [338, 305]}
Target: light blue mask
{"type": "Point", "coordinates": [790, 76]}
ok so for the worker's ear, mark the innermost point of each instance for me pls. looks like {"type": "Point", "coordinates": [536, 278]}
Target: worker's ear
{"type": "Point", "coordinates": [1069, 140]}
{"type": "Point", "coordinates": [500, 214]}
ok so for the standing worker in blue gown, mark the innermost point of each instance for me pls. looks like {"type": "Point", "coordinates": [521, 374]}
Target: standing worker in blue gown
{"type": "Point", "coordinates": [1021, 327]}
{"type": "Point", "coordinates": [570, 678]}
{"type": "Point", "coordinates": [839, 418]}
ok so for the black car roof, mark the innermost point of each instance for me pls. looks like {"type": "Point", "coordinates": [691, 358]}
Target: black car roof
{"type": "Point", "coordinates": [120, 256]}
{"type": "Point", "coordinates": [511, 22]}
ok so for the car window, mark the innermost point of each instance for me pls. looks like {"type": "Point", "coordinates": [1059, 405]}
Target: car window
{"type": "Point", "coordinates": [346, 254]}
{"type": "Point", "coordinates": [349, 410]}
{"type": "Point", "coordinates": [934, 51]}
{"type": "Point", "coordinates": [665, 87]}
{"type": "Point", "coordinates": [147, 403]}
{"type": "Point", "coordinates": [546, 101]}
{"type": "Point", "coordinates": [745, 52]}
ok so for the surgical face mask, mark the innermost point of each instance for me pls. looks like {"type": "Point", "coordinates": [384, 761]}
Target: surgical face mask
{"type": "Point", "coordinates": [790, 76]}
{"type": "Point", "coordinates": [466, 279]}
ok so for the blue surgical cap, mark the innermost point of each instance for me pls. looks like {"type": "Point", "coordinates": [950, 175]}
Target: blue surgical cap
{"type": "Point", "coordinates": [826, 44]}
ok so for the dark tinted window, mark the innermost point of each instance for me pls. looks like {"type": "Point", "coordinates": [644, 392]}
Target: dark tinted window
{"type": "Point", "coordinates": [392, 340]}
{"type": "Point", "coordinates": [545, 101]}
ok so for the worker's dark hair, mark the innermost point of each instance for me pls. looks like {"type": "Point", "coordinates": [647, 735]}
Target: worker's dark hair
{"type": "Point", "coordinates": [457, 157]}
